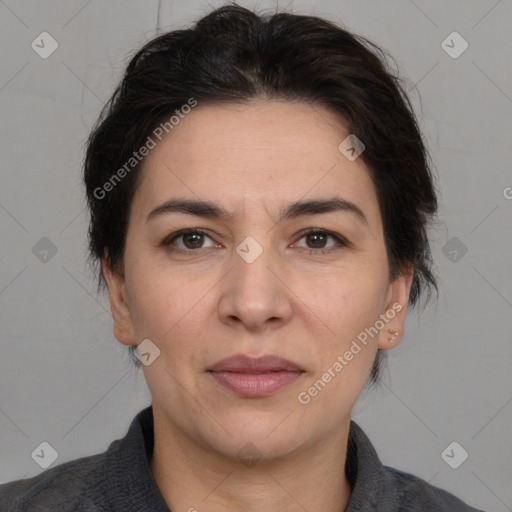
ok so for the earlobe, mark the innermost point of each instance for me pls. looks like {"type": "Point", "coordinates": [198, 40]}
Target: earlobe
{"type": "Point", "coordinates": [119, 306]}
{"type": "Point", "coordinates": [395, 311]}
{"type": "Point", "coordinates": [393, 335]}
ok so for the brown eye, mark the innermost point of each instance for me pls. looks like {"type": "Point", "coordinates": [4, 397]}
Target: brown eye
{"type": "Point", "coordinates": [194, 239]}
{"type": "Point", "coordinates": [316, 240]}
{"type": "Point", "coordinates": [191, 240]}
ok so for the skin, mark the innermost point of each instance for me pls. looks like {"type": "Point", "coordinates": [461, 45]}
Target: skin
{"type": "Point", "coordinates": [200, 307]}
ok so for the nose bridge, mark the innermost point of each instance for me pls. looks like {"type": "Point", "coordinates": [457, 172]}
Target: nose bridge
{"type": "Point", "coordinates": [252, 277]}
{"type": "Point", "coordinates": [254, 292]}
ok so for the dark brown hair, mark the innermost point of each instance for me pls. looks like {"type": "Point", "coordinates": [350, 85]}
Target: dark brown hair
{"type": "Point", "coordinates": [235, 55]}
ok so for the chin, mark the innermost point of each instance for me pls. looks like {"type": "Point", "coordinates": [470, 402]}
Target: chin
{"type": "Point", "coordinates": [255, 436]}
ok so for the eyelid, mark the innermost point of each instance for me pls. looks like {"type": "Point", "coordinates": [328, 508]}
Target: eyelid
{"type": "Point", "coordinates": [327, 232]}
{"type": "Point", "coordinates": [177, 234]}
{"type": "Point", "coordinates": [340, 240]}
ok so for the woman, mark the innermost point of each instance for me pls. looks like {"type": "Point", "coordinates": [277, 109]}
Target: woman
{"type": "Point", "coordinates": [259, 194]}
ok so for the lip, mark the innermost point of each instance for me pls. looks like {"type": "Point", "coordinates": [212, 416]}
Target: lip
{"type": "Point", "coordinates": [241, 363]}
{"type": "Point", "coordinates": [255, 377]}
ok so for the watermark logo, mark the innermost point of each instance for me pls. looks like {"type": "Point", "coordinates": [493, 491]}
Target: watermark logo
{"type": "Point", "coordinates": [351, 147]}
{"type": "Point", "coordinates": [342, 361]}
{"type": "Point", "coordinates": [249, 249]}
{"type": "Point", "coordinates": [137, 156]}
{"type": "Point", "coordinates": [454, 249]}
{"type": "Point", "coordinates": [249, 454]}
{"type": "Point", "coordinates": [454, 45]}
{"type": "Point", "coordinates": [454, 455]}
{"type": "Point", "coordinates": [44, 45]}
{"type": "Point", "coordinates": [44, 455]}
{"type": "Point", "coordinates": [147, 352]}
{"type": "Point", "coordinates": [44, 250]}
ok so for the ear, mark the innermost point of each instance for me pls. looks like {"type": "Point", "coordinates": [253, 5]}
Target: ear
{"type": "Point", "coordinates": [119, 305]}
{"type": "Point", "coordinates": [396, 301]}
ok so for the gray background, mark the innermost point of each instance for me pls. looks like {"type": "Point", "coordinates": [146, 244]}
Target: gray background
{"type": "Point", "coordinates": [64, 378]}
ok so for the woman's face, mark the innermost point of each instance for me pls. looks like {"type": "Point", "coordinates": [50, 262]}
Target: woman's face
{"type": "Point", "coordinates": [254, 283]}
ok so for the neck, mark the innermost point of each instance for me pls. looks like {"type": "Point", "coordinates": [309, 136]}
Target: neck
{"type": "Point", "coordinates": [192, 478]}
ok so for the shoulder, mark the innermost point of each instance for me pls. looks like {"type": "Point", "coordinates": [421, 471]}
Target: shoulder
{"type": "Point", "coordinates": [118, 479]}
{"type": "Point", "coordinates": [74, 486]}
{"type": "Point", "coordinates": [379, 487]}
{"type": "Point", "coordinates": [415, 494]}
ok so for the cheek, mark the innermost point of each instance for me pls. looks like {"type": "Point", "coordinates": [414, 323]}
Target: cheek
{"type": "Point", "coordinates": [170, 311]}
{"type": "Point", "coordinates": [349, 309]}
{"type": "Point", "coordinates": [348, 349]}
{"type": "Point", "coordinates": [349, 303]}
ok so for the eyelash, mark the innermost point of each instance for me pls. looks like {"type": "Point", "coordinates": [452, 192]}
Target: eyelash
{"type": "Point", "coordinates": [341, 241]}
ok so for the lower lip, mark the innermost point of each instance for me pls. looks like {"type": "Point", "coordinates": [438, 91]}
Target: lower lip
{"type": "Point", "coordinates": [255, 385]}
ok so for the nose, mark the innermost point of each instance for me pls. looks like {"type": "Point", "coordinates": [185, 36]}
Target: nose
{"type": "Point", "coordinates": [255, 294]}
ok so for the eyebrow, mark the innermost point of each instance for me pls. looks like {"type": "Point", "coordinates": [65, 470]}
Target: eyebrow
{"type": "Point", "coordinates": [294, 210]}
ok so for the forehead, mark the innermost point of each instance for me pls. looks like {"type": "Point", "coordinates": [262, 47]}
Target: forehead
{"type": "Point", "coordinates": [262, 153]}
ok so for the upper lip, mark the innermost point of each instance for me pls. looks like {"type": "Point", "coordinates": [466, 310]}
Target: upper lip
{"type": "Point", "coordinates": [241, 363]}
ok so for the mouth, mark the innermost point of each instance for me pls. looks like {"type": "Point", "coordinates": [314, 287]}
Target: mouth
{"type": "Point", "coordinates": [255, 377]}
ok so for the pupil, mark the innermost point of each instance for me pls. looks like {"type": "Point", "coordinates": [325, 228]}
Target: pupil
{"type": "Point", "coordinates": [317, 235]}
{"type": "Point", "coordinates": [194, 235]}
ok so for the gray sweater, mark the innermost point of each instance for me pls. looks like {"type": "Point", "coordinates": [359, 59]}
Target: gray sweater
{"type": "Point", "coordinates": [120, 480]}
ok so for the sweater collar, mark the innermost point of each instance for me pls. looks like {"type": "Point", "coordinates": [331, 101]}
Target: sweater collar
{"type": "Point", "coordinates": [130, 482]}
{"type": "Point", "coordinates": [132, 487]}
{"type": "Point", "coordinates": [372, 486]}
